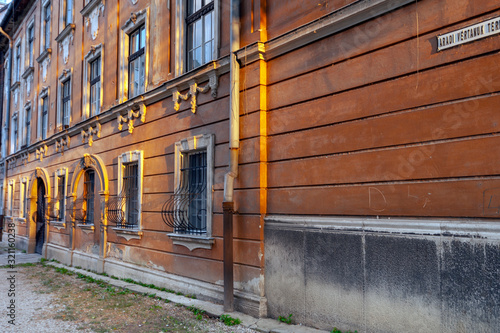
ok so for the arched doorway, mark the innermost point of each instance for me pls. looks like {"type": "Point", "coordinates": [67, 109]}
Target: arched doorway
{"type": "Point", "coordinates": [40, 219]}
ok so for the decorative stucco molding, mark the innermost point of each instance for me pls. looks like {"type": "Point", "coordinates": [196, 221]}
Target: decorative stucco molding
{"type": "Point", "coordinates": [65, 38]}
{"type": "Point", "coordinates": [88, 134]}
{"type": "Point", "coordinates": [25, 158]}
{"type": "Point", "coordinates": [41, 152]}
{"type": "Point", "coordinates": [61, 143]}
{"type": "Point", "coordinates": [194, 89]}
{"type": "Point", "coordinates": [91, 14]}
{"type": "Point", "coordinates": [130, 115]}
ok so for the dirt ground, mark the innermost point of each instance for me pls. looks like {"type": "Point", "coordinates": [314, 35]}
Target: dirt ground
{"type": "Point", "coordinates": [93, 306]}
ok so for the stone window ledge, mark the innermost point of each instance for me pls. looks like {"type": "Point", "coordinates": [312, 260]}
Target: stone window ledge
{"type": "Point", "coordinates": [70, 29]}
{"type": "Point", "coordinates": [128, 234]}
{"type": "Point", "coordinates": [192, 241]}
{"type": "Point", "coordinates": [86, 228]}
{"type": "Point", "coordinates": [27, 72]}
{"type": "Point", "coordinates": [44, 55]}
{"type": "Point", "coordinates": [58, 224]}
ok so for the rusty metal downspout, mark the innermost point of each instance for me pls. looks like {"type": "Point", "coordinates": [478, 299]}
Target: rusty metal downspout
{"type": "Point", "coordinates": [234, 145]}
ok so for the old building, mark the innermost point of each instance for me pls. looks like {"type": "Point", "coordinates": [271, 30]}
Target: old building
{"type": "Point", "coordinates": [348, 147]}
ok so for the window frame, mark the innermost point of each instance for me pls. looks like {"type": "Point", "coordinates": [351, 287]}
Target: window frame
{"type": "Point", "coordinates": [58, 174]}
{"type": "Point", "coordinates": [95, 65]}
{"type": "Point", "coordinates": [95, 52]}
{"type": "Point", "coordinates": [10, 197]}
{"type": "Point", "coordinates": [89, 202]}
{"type": "Point", "coordinates": [181, 35]}
{"type": "Point", "coordinates": [44, 99]}
{"type": "Point", "coordinates": [139, 18]}
{"type": "Point", "coordinates": [129, 158]}
{"type": "Point", "coordinates": [14, 146]}
{"type": "Point", "coordinates": [45, 30]}
{"type": "Point", "coordinates": [65, 77]}
{"type": "Point", "coordinates": [64, 13]}
{"type": "Point", "coordinates": [18, 54]}
{"type": "Point", "coordinates": [137, 56]}
{"type": "Point", "coordinates": [30, 44]}
{"type": "Point", "coordinates": [183, 148]}
{"type": "Point", "coordinates": [23, 195]}
{"type": "Point", "coordinates": [28, 114]}
{"type": "Point", "coordinates": [190, 22]}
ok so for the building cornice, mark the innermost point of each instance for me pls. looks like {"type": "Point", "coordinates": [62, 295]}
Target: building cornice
{"type": "Point", "coordinates": [339, 20]}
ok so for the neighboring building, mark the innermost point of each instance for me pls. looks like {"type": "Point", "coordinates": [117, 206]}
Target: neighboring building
{"type": "Point", "coordinates": [352, 144]}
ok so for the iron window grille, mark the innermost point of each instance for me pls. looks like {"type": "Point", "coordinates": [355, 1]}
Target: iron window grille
{"type": "Point", "coordinates": [186, 210]}
{"type": "Point", "coordinates": [60, 196]}
{"type": "Point", "coordinates": [200, 32]}
{"type": "Point", "coordinates": [45, 116]}
{"type": "Point", "coordinates": [83, 208]}
{"type": "Point", "coordinates": [66, 102]}
{"type": "Point", "coordinates": [31, 41]}
{"type": "Point", "coordinates": [46, 26]}
{"type": "Point", "coordinates": [95, 86]}
{"type": "Point", "coordinates": [124, 208]}
{"type": "Point", "coordinates": [137, 61]}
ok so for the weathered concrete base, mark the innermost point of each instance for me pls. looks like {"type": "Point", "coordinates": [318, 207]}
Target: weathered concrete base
{"type": "Point", "coordinates": [329, 273]}
{"type": "Point", "coordinates": [61, 254]}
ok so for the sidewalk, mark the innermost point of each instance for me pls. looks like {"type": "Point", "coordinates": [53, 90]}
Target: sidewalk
{"type": "Point", "coordinates": [259, 324]}
{"type": "Point", "coordinates": [19, 256]}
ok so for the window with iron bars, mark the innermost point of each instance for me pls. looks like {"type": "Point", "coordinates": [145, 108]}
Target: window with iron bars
{"type": "Point", "coordinates": [88, 195]}
{"type": "Point", "coordinates": [192, 193]}
{"type": "Point", "coordinates": [60, 197]}
{"type": "Point", "coordinates": [66, 103]}
{"type": "Point", "coordinates": [137, 62]}
{"type": "Point", "coordinates": [130, 189]}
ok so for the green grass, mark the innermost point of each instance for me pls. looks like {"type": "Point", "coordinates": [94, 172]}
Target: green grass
{"type": "Point", "coordinates": [286, 320]}
{"type": "Point", "coordinates": [229, 321]}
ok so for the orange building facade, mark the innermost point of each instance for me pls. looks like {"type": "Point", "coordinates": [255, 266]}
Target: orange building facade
{"type": "Point", "coordinates": [347, 146]}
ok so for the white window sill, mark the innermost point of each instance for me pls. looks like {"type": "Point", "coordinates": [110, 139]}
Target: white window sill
{"type": "Point", "coordinates": [192, 241]}
{"type": "Point", "coordinates": [86, 228]}
{"type": "Point", "coordinates": [58, 224]}
{"type": "Point", "coordinates": [128, 234]}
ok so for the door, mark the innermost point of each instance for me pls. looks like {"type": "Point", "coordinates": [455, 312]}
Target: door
{"type": "Point", "coordinates": [40, 216]}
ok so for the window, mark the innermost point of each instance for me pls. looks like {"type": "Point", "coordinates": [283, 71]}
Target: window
{"type": "Point", "coordinates": [130, 186]}
{"type": "Point", "coordinates": [17, 73]}
{"type": "Point", "coordinates": [189, 210]}
{"type": "Point", "coordinates": [15, 134]}
{"type": "Point", "coordinates": [46, 26]}
{"type": "Point", "coordinates": [61, 194]}
{"type": "Point", "coordinates": [200, 32]}
{"type": "Point", "coordinates": [68, 12]}
{"type": "Point", "coordinates": [22, 198]}
{"type": "Point", "coordinates": [31, 41]}
{"type": "Point", "coordinates": [45, 116]}
{"type": "Point", "coordinates": [27, 125]}
{"type": "Point", "coordinates": [136, 61]}
{"type": "Point", "coordinates": [66, 103]}
{"type": "Point", "coordinates": [197, 33]}
{"type": "Point", "coordinates": [10, 198]}
{"type": "Point", "coordinates": [125, 208]}
{"type": "Point", "coordinates": [95, 86]}
{"type": "Point", "coordinates": [88, 195]}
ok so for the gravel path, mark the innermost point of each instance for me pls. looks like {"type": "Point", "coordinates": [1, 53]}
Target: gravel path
{"type": "Point", "coordinates": [31, 307]}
